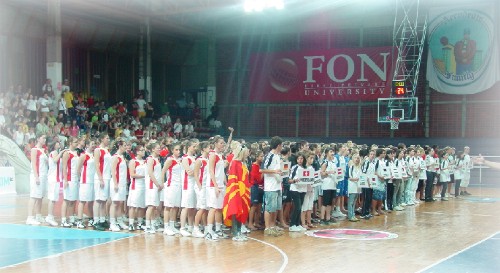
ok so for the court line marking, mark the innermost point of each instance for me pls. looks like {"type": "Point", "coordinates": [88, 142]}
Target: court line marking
{"type": "Point", "coordinates": [64, 252]}
{"type": "Point", "coordinates": [283, 254]}
{"type": "Point", "coordinates": [458, 252]}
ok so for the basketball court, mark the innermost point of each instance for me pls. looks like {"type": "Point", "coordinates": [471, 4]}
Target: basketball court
{"type": "Point", "coordinates": [460, 235]}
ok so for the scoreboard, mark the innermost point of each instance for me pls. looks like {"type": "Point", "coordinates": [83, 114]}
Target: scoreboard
{"type": "Point", "coordinates": [398, 88]}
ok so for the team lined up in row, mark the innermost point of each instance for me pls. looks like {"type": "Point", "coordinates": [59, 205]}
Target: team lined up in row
{"type": "Point", "coordinates": [94, 175]}
{"type": "Point", "coordinates": [147, 187]}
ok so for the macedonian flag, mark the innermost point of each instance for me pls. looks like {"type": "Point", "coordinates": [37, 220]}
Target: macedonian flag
{"type": "Point", "coordinates": [237, 198]}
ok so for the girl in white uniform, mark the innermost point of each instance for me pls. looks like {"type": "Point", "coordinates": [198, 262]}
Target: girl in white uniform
{"type": "Point", "coordinates": [216, 189]}
{"type": "Point", "coordinates": [118, 185]}
{"type": "Point", "coordinates": [444, 175]}
{"type": "Point", "coordinates": [136, 194]}
{"type": "Point", "coordinates": [38, 181]}
{"type": "Point", "coordinates": [102, 160]}
{"type": "Point", "coordinates": [173, 189]}
{"type": "Point", "coordinates": [86, 168]}
{"type": "Point", "coordinates": [201, 178]}
{"type": "Point", "coordinates": [70, 181]}
{"type": "Point", "coordinates": [54, 181]}
{"type": "Point", "coordinates": [188, 199]}
{"type": "Point", "coordinates": [154, 184]}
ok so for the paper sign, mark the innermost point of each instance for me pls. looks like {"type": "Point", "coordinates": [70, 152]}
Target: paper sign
{"type": "Point", "coordinates": [285, 169]}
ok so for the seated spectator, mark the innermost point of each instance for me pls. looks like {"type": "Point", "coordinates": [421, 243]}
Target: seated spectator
{"type": "Point", "coordinates": [189, 130]}
{"type": "Point", "coordinates": [178, 128]}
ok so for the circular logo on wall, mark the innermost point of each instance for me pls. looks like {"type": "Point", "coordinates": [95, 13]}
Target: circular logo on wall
{"type": "Point", "coordinates": [284, 75]}
{"type": "Point", "coordinates": [461, 43]}
{"type": "Point", "coordinates": [351, 234]}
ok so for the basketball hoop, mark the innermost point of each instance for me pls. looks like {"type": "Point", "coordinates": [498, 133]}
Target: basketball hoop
{"type": "Point", "coordinates": [394, 123]}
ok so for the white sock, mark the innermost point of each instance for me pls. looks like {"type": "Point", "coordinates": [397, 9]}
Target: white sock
{"type": "Point", "coordinates": [140, 220]}
{"type": "Point", "coordinates": [218, 226]}
{"type": "Point", "coordinates": [112, 220]}
{"type": "Point", "coordinates": [102, 219]}
{"type": "Point", "coordinates": [148, 223]}
{"type": "Point", "coordinates": [131, 221]}
{"type": "Point", "coordinates": [38, 216]}
{"type": "Point", "coordinates": [72, 219]}
{"type": "Point", "coordinates": [63, 219]}
{"type": "Point", "coordinates": [171, 224]}
{"type": "Point", "coordinates": [189, 228]}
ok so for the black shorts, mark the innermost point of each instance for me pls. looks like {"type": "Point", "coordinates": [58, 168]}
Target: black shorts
{"type": "Point", "coordinates": [286, 194]}
{"type": "Point", "coordinates": [256, 195]}
{"type": "Point", "coordinates": [328, 196]}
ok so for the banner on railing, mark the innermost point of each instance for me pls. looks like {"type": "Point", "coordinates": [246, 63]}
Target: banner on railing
{"type": "Point", "coordinates": [321, 75]}
{"type": "Point", "coordinates": [463, 49]}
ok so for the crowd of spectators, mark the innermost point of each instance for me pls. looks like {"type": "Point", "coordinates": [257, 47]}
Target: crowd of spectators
{"type": "Point", "coordinates": [60, 113]}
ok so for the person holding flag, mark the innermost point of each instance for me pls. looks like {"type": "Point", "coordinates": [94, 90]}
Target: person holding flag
{"type": "Point", "coordinates": [237, 198]}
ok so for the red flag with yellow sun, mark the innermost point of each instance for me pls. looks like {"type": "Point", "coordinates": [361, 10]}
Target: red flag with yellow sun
{"type": "Point", "coordinates": [237, 198]}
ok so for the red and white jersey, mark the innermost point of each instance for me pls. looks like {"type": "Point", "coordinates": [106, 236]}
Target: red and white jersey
{"type": "Point", "coordinates": [55, 170]}
{"type": "Point", "coordinates": [121, 170]}
{"type": "Point", "coordinates": [174, 173]}
{"type": "Point", "coordinates": [88, 169]}
{"type": "Point", "coordinates": [71, 167]}
{"type": "Point", "coordinates": [204, 175]}
{"type": "Point", "coordinates": [105, 163]}
{"type": "Point", "coordinates": [219, 166]}
{"type": "Point", "coordinates": [186, 179]}
{"type": "Point", "coordinates": [156, 172]}
{"type": "Point", "coordinates": [41, 162]}
{"type": "Point", "coordinates": [140, 169]}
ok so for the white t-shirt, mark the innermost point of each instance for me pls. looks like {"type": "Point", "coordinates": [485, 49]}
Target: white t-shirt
{"type": "Point", "coordinates": [140, 104]}
{"type": "Point", "coordinates": [178, 128]}
{"type": "Point", "coordinates": [272, 182]}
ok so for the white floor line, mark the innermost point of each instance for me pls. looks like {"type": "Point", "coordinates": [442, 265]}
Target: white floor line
{"type": "Point", "coordinates": [458, 252]}
{"type": "Point", "coordinates": [283, 254]}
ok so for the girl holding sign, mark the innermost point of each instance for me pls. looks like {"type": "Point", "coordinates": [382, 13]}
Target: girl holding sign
{"type": "Point", "coordinates": [399, 169]}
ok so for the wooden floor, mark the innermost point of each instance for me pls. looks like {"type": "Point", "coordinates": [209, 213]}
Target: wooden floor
{"type": "Point", "coordinates": [427, 233]}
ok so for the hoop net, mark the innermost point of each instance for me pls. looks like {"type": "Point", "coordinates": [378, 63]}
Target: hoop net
{"type": "Point", "coordinates": [394, 123]}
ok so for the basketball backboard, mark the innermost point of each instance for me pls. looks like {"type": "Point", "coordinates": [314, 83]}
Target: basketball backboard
{"type": "Point", "coordinates": [404, 108]}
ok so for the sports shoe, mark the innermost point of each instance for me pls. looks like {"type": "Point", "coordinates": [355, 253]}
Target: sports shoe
{"type": "Point", "coordinates": [65, 224]}
{"type": "Point", "coordinates": [324, 223]}
{"type": "Point", "coordinates": [32, 221]}
{"type": "Point", "coordinates": [410, 204]}
{"type": "Point", "coordinates": [332, 221]}
{"type": "Point", "coordinates": [131, 228]}
{"type": "Point", "coordinates": [337, 214]}
{"type": "Point", "coordinates": [294, 229]}
{"type": "Point", "coordinates": [354, 219]}
{"type": "Point", "coordinates": [224, 227]}
{"type": "Point", "coordinates": [114, 227]}
{"type": "Point", "coordinates": [221, 235]}
{"type": "Point", "coordinates": [51, 221]}
{"type": "Point", "coordinates": [403, 204]}
{"type": "Point", "coordinates": [444, 199]}
{"type": "Point", "coordinates": [244, 229]}
{"type": "Point", "coordinates": [149, 230]}
{"type": "Point", "coordinates": [302, 228]}
{"type": "Point", "coordinates": [210, 237]}
{"type": "Point", "coordinates": [467, 193]}
{"type": "Point", "coordinates": [184, 232]}
{"type": "Point", "coordinates": [168, 231]}
{"type": "Point", "coordinates": [197, 233]}
{"type": "Point", "coordinates": [79, 224]}
{"type": "Point", "coordinates": [90, 223]}
{"type": "Point", "coordinates": [398, 208]}
{"type": "Point", "coordinates": [98, 226]}
{"type": "Point", "coordinates": [175, 230]}
{"type": "Point", "coordinates": [121, 225]}
{"type": "Point", "coordinates": [105, 224]}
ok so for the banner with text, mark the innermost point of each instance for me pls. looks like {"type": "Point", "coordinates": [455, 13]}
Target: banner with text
{"type": "Point", "coordinates": [335, 74]}
{"type": "Point", "coordinates": [463, 49]}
